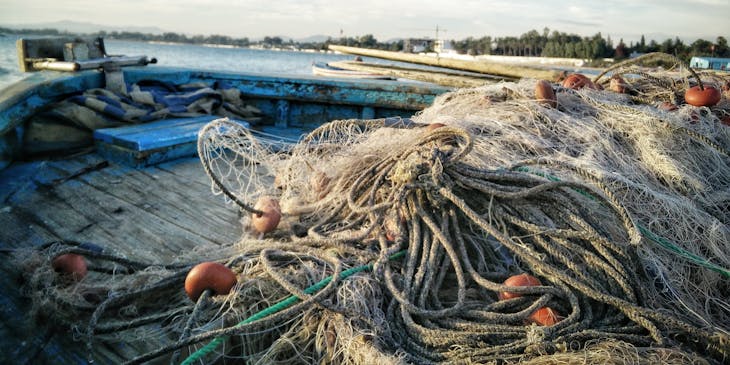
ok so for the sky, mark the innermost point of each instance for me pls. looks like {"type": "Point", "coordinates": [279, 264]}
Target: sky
{"type": "Point", "coordinates": [388, 19]}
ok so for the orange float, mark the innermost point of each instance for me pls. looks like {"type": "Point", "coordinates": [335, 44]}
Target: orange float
{"type": "Point", "coordinates": [269, 220]}
{"type": "Point", "coordinates": [545, 316]}
{"type": "Point", "coordinates": [545, 94]}
{"type": "Point", "coordinates": [578, 81]}
{"type": "Point", "coordinates": [708, 96]}
{"type": "Point", "coordinates": [518, 280]}
{"type": "Point", "coordinates": [209, 275]}
{"type": "Point", "coordinates": [70, 264]}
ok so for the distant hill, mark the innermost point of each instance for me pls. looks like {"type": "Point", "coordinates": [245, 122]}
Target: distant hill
{"type": "Point", "coordinates": [319, 38]}
{"type": "Point", "coordinates": [83, 27]}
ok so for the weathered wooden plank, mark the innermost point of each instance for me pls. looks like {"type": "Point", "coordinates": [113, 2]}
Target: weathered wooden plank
{"type": "Point", "coordinates": [163, 133]}
{"type": "Point", "coordinates": [137, 159]}
{"type": "Point", "coordinates": [35, 201]}
{"type": "Point", "coordinates": [25, 341]}
{"type": "Point", "coordinates": [48, 206]}
{"type": "Point", "coordinates": [149, 210]}
{"type": "Point", "coordinates": [152, 143]}
{"type": "Point", "coordinates": [78, 211]}
{"type": "Point", "coordinates": [137, 136]}
{"type": "Point", "coordinates": [149, 216]}
{"type": "Point", "coordinates": [191, 207]}
{"type": "Point", "coordinates": [189, 170]}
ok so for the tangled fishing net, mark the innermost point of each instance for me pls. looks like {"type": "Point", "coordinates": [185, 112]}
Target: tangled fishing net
{"type": "Point", "coordinates": [397, 235]}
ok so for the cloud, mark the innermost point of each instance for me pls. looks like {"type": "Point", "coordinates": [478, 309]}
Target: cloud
{"type": "Point", "coordinates": [580, 23]}
{"type": "Point", "coordinates": [386, 18]}
{"type": "Point", "coordinates": [709, 2]}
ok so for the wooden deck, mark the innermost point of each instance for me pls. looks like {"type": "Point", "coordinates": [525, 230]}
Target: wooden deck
{"type": "Point", "coordinates": [149, 214]}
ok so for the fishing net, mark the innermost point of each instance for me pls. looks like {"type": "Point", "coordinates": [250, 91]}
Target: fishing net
{"type": "Point", "coordinates": [397, 236]}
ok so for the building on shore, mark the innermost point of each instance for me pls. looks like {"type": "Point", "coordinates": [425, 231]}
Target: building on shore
{"type": "Point", "coordinates": [710, 63]}
{"type": "Point", "coordinates": [418, 45]}
{"type": "Point", "coordinates": [421, 45]}
{"type": "Point", "coordinates": [444, 46]}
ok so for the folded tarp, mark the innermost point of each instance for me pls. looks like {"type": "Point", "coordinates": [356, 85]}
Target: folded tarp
{"type": "Point", "coordinates": [69, 124]}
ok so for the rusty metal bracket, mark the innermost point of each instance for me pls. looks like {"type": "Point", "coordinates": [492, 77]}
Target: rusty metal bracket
{"type": "Point", "coordinates": [114, 78]}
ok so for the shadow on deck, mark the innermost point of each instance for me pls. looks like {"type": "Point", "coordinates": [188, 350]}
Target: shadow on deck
{"type": "Point", "coordinates": [150, 214]}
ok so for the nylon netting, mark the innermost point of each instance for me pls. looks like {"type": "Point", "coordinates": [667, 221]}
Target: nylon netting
{"type": "Point", "coordinates": [397, 235]}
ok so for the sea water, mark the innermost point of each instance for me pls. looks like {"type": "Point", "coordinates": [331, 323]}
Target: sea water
{"type": "Point", "coordinates": [187, 55]}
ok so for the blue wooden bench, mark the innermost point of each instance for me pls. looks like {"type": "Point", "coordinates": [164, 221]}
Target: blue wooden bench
{"type": "Point", "coordinates": [152, 143]}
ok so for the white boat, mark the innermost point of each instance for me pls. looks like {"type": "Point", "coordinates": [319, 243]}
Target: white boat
{"type": "Point", "coordinates": [324, 69]}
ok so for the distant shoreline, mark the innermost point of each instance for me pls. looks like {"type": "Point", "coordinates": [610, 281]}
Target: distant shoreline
{"type": "Point", "coordinates": [592, 50]}
{"type": "Point", "coordinates": [228, 46]}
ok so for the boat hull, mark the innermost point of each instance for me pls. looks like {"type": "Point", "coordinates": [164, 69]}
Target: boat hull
{"type": "Point", "coordinates": [324, 69]}
{"type": "Point", "coordinates": [158, 208]}
{"type": "Point", "coordinates": [285, 101]}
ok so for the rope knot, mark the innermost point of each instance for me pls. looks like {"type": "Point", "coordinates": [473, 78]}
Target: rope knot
{"type": "Point", "coordinates": [408, 170]}
{"type": "Point", "coordinates": [535, 334]}
{"type": "Point", "coordinates": [536, 344]}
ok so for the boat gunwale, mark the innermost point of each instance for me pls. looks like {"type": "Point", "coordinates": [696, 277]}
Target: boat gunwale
{"type": "Point", "coordinates": [28, 96]}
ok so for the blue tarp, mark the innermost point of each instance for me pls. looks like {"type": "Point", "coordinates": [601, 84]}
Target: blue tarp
{"type": "Point", "coordinates": [148, 101]}
{"type": "Point", "coordinates": [70, 123]}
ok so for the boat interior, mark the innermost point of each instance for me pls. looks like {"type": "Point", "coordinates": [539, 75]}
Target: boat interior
{"type": "Point", "coordinates": [138, 192]}
{"type": "Point", "coordinates": [147, 214]}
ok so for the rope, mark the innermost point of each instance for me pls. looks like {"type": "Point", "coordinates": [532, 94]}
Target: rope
{"type": "Point", "coordinates": [429, 196]}
{"type": "Point", "coordinates": [285, 303]}
{"type": "Point", "coordinates": [649, 234]}
{"type": "Point", "coordinates": [208, 170]}
{"type": "Point", "coordinates": [650, 56]}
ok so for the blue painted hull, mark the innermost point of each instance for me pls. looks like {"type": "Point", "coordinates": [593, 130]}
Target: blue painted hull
{"type": "Point", "coordinates": [286, 101]}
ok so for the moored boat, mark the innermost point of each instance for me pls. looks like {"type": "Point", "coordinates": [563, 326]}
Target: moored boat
{"type": "Point", "coordinates": [106, 158]}
{"type": "Point", "coordinates": [325, 69]}
{"type": "Point", "coordinates": [513, 222]}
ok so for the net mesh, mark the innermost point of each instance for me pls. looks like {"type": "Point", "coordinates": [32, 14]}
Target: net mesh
{"type": "Point", "coordinates": [398, 234]}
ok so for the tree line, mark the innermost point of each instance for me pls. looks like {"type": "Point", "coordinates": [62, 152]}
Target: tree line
{"type": "Point", "coordinates": [533, 43]}
{"type": "Point", "coordinates": [559, 44]}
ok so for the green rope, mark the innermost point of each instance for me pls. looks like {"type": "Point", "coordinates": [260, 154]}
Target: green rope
{"type": "Point", "coordinates": [212, 345]}
{"type": "Point", "coordinates": [682, 252]}
{"type": "Point", "coordinates": [647, 233]}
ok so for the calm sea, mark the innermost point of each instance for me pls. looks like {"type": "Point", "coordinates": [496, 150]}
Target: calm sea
{"type": "Point", "coordinates": [183, 55]}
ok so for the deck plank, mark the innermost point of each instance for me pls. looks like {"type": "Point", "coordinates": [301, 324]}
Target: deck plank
{"type": "Point", "coordinates": [189, 206]}
{"type": "Point", "coordinates": [25, 341]}
{"type": "Point", "coordinates": [152, 214]}
{"type": "Point", "coordinates": [187, 169]}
